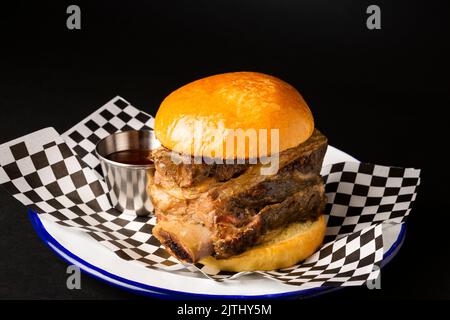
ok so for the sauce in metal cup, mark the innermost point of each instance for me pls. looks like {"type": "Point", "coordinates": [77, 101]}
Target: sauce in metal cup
{"type": "Point", "coordinates": [125, 162]}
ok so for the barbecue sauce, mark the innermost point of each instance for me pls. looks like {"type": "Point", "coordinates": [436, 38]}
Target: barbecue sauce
{"type": "Point", "coordinates": [138, 157]}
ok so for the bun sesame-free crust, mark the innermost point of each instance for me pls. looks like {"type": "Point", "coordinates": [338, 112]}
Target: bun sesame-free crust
{"type": "Point", "coordinates": [208, 108]}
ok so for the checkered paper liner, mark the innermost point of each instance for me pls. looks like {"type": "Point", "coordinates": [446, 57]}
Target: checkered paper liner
{"type": "Point", "coordinates": [59, 178]}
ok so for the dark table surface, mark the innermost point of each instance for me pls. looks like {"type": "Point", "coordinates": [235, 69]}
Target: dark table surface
{"type": "Point", "coordinates": [378, 95]}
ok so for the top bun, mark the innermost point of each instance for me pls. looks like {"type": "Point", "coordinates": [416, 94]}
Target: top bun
{"type": "Point", "coordinates": [196, 119]}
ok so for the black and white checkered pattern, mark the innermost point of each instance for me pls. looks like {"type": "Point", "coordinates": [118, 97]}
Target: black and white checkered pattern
{"type": "Point", "coordinates": [56, 177]}
{"type": "Point", "coordinates": [54, 182]}
{"type": "Point", "coordinates": [116, 115]}
{"type": "Point", "coordinates": [350, 260]}
{"type": "Point", "coordinates": [363, 194]}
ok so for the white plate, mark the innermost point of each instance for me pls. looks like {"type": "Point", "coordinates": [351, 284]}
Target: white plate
{"type": "Point", "coordinates": [80, 249]}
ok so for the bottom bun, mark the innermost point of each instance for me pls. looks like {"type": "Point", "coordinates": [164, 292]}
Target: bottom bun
{"type": "Point", "coordinates": [278, 249]}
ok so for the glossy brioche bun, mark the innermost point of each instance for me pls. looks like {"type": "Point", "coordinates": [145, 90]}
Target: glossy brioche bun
{"type": "Point", "coordinates": [237, 100]}
{"type": "Point", "coordinates": [280, 250]}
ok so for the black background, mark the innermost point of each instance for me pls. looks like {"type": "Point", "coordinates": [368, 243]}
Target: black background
{"type": "Point", "coordinates": [379, 95]}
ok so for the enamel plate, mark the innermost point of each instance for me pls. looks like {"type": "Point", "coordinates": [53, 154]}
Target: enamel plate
{"type": "Point", "coordinates": [80, 249]}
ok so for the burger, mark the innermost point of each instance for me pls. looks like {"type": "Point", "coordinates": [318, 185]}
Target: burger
{"type": "Point", "coordinates": [237, 183]}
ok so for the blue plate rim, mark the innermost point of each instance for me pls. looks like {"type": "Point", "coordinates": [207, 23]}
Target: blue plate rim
{"type": "Point", "coordinates": [157, 292]}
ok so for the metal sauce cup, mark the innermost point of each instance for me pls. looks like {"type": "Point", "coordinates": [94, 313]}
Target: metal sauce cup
{"type": "Point", "coordinates": [127, 183]}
